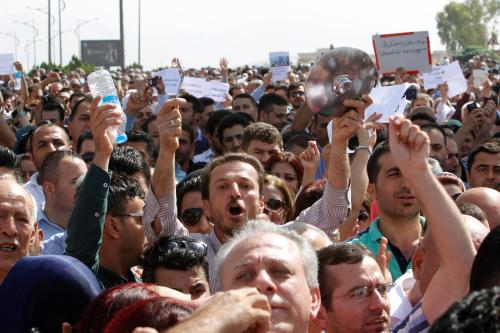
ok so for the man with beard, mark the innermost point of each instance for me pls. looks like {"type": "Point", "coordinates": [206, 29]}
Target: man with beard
{"type": "Point", "coordinates": [232, 186]}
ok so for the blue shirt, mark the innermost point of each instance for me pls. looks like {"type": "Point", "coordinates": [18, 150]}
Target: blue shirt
{"type": "Point", "coordinates": [55, 245]}
{"type": "Point", "coordinates": [49, 228]}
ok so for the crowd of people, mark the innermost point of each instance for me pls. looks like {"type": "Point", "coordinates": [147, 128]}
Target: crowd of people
{"type": "Point", "coordinates": [245, 215]}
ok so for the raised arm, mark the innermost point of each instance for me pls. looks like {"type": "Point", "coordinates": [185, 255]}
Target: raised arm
{"type": "Point", "coordinates": [224, 70]}
{"type": "Point", "coordinates": [410, 150]}
{"type": "Point", "coordinates": [160, 200]}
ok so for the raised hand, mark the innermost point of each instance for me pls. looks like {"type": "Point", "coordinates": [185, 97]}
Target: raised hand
{"type": "Point", "coordinates": [311, 157]}
{"type": "Point", "coordinates": [18, 66]}
{"type": "Point", "coordinates": [345, 126]}
{"type": "Point", "coordinates": [223, 63]}
{"type": "Point", "coordinates": [409, 146]}
{"type": "Point", "coordinates": [268, 78]}
{"type": "Point", "coordinates": [384, 258]}
{"type": "Point", "coordinates": [101, 119]}
{"type": "Point", "coordinates": [367, 136]}
{"type": "Point", "coordinates": [53, 77]}
{"type": "Point", "coordinates": [170, 124]}
{"type": "Point", "coordinates": [139, 99]}
{"type": "Point", "coordinates": [160, 86]}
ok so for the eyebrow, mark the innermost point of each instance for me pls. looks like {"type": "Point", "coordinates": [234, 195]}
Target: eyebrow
{"type": "Point", "coordinates": [392, 170]}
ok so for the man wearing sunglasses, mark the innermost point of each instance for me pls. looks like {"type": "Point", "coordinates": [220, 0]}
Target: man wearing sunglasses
{"type": "Point", "coordinates": [273, 110]}
{"type": "Point", "coordinates": [296, 95]}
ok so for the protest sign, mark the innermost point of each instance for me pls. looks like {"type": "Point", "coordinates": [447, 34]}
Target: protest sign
{"type": "Point", "coordinates": [434, 78]}
{"type": "Point", "coordinates": [195, 86]}
{"type": "Point", "coordinates": [172, 79]}
{"type": "Point", "coordinates": [280, 65]}
{"type": "Point", "coordinates": [6, 64]}
{"type": "Point", "coordinates": [387, 101]}
{"type": "Point", "coordinates": [454, 76]}
{"type": "Point", "coordinates": [216, 90]}
{"type": "Point", "coordinates": [480, 75]}
{"type": "Point", "coordinates": [410, 50]}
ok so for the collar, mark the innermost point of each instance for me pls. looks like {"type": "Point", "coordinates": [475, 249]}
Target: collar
{"type": "Point", "coordinates": [215, 243]}
{"type": "Point", "coordinates": [34, 179]}
{"type": "Point", "coordinates": [375, 234]}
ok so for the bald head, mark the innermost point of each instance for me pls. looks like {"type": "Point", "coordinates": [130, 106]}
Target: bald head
{"type": "Point", "coordinates": [315, 236]}
{"type": "Point", "coordinates": [477, 230]}
{"type": "Point", "coordinates": [487, 199]}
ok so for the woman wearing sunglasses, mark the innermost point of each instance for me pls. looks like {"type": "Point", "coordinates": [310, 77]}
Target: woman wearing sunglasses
{"type": "Point", "coordinates": [278, 200]}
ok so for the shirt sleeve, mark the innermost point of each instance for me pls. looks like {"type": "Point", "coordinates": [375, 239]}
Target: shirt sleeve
{"type": "Point", "coordinates": [86, 223]}
{"type": "Point", "coordinates": [162, 99]}
{"type": "Point", "coordinates": [329, 211]}
{"type": "Point", "coordinates": [164, 210]}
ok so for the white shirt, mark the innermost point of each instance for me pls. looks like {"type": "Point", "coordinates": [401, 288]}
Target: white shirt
{"type": "Point", "coordinates": [36, 192]}
{"type": "Point", "coordinates": [400, 305]}
{"type": "Point", "coordinates": [207, 156]}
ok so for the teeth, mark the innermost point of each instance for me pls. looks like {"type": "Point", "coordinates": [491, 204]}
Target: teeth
{"type": "Point", "coordinates": [6, 247]}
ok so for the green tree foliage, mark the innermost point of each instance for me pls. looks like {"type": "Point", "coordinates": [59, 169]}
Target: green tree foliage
{"type": "Point", "coordinates": [462, 25]}
{"type": "Point", "coordinates": [73, 64]}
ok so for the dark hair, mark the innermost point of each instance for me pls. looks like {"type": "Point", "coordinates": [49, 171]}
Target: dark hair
{"type": "Point", "coordinates": [286, 157]}
{"type": "Point", "coordinates": [77, 94]}
{"type": "Point", "coordinates": [422, 116]}
{"type": "Point", "coordinates": [485, 272]}
{"type": "Point", "coordinates": [293, 86]}
{"type": "Point", "coordinates": [8, 159]}
{"type": "Point", "coordinates": [477, 312]}
{"type": "Point", "coordinates": [49, 172]}
{"type": "Point", "coordinates": [271, 99]}
{"type": "Point", "coordinates": [490, 147]}
{"type": "Point", "coordinates": [85, 135]}
{"type": "Point", "coordinates": [206, 101]}
{"type": "Point", "coordinates": [429, 127]}
{"type": "Point", "coordinates": [43, 125]}
{"type": "Point", "coordinates": [230, 121]}
{"type": "Point", "coordinates": [159, 313]}
{"type": "Point", "coordinates": [103, 308]}
{"type": "Point", "coordinates": [309, 194]}
{"type": "Point", "coordinates": [190, 131]}
{"type": "Point", "coordinates": [231, 157]}
{"type": "Point", "coordinates": [146, 123]}
{"type": "Point", "coordinates": [373, 168]}
{"type": "Point", "coordinates": [470, 209]}
{"type": "Point", "coordinates": [197, 106]}
{"type": "Point", "coordinates": [51, 103]}
{"type": "Point", "coordinates": [122, 189]}
{"type": "Point", "coordinates": [215, 119]}
{"type": "Point", "coordinates": [74, 109]}
{"type": "Point", "coordinates": [247, 96]}
{"type": "Point", "coordinates": [129, 161]}
{"type": "Point", "coordinates": [140, 136]}
{"type": "Point", "coordinates": [299, 139]}
{"type": "Point", "coordinates": [263, 132]}
{"type": "Point", "coordinates": [182, 259]}
{"type": "Point", "coordinates": [336, 254]}
{"type": "Point", "coordinates": [187, 185]}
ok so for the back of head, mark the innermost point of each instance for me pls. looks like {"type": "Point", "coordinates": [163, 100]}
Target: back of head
{"type": "Point", "coordinates": [271, 99]}
{"type": "Point", "coordinates": [485, 272]}
{"type": "Point", "coordinates": [485, 198]}
{"type": "Point", "coordinates": [8, 161]}
{"type": "Point", "coordinates": [215, 119]}
{"type": "Point", "coordinates": [314, 235]}
{"type": "Point", "coordinates": [470, 209]}
{"type": "Point", "coordinates": [58, 290]}
{"type": "Point", "coordinates": [122, 189]}
{"type": "Point", "coordinates": [477, 312]}
{"type": "Point", "coordinates": [129, 161]}
{"type": "Point", "coordinates": [50, 167]}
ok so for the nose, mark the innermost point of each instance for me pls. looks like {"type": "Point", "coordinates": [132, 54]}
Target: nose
{"type": "Point", "coordinates": [491, 173]}
{"type": "Point", "coordinates": [379, 302]}
{"type": "Point", "coordinates": [8, 226]}
{"type": "Point", "coordinates": [265, 157]}
{"type": "Point", "coordinates": [264, 283]}
{"type": "Point", "coordinates": [235, 191]}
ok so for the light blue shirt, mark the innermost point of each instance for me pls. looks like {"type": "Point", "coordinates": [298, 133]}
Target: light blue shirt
{"type": "Point", "coordinates": [49, 228]}
{"type": "Point", "coordinates": [55, 245]}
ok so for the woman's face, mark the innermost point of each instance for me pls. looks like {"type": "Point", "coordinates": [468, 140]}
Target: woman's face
{"type": "Point", "coordinates": [271, 194]}
{"type": "Point", "coordinates": [286, 173]}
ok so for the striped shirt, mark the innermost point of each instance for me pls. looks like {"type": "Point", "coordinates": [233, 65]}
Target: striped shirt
{"type": "Point", "coordinates": [415, 322]}
{"type": "Point", "coordinates": [327, 214]}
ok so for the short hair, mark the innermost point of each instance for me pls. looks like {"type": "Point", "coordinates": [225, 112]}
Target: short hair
{"type": "Point", "coordinates": [49, 172]}
{"type": "Point", "coordinates": [289, 158]}
{"type": "Point", "coordinates": [227, 158]}
{"type": "Point", "coordinates": [189, 130]}
{"type": "Point", "coordinates": [336, 254]}
{"type": "Point", "coordinates": [309, 194]}
{"type": "Point", "coordinates": [299, 139]}
{"type": "Point", "coordinates": [145, 126]}
{"type": "Point", "coordinates": [308, 255]}
{"type": "Point", "coordinates": [373, 168]}
{"type": "Point", "coordinates": [247, 96]}
{"type": "Point", "coordinates": [230, 121]}
{"type": "Point", "coordinates": [490, 147]}
{"type": "Point", "coordinates": [470, 209]}
{"type": "Point", "coordinates": [43, 125]}
{"type": "Point", "coordinates": [51, 103]}
{"type": "Point", "coordinates": [448, 178]}
{"type": "Point", "coordinates": [287, 193]}
{"type": "Point", "coordinates": [485, 271]}
{"type": "Point", "coordinates": [122, 189]}
{"type": "Point", "coordinates": [85, 99]}
{"type": "Point", "coordinates": [293, 86]}
{"type": "Point", "coordinates": [185, 186]}
{"type": "Point", "coordinates": [422, 116]}
{"type": "Point", "coordinates": [427, 98]}
{"type": "Point", "coordinates": [263, 132]}
{"type": "Point", "coordinates": [129, 161]}
{"type": "Point", "coordinates": [206, 101]}
{"type": "Point", "coordinates": [8, 159]}
{"type": "Point", "coordinates": [195, 102]}
{"type": "Point", "coordinates": [215, 119]}
{"type": "Point", "coordinates": [271, 99]}
{"type": "Point", "coordinates": [477, 312]}
{"type": "Point", "coordinates": [140, 136]}
{"type": "Point", "coordinates": [85, 135]}
{"type": "Point", "coordinates": [437, 127]}
{"type": "Point", "coordinates": [179, 259]}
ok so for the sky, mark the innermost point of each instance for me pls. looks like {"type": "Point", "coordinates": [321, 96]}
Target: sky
{"type": "Point", "coordinates": [200, 32]}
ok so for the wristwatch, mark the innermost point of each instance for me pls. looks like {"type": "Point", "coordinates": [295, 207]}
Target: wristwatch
{"type": "Point", "coordinates": [370, 151]}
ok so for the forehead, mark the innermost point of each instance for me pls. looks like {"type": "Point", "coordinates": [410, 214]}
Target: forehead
{"type": "Point", "coordinates": [435, 135]}
{"type": "Point", "coordinates": [235, 129]}
{"type": "Point", "coordinates": [347, 276]}
{"type": "Point", "coordinates": [12, 194]}
{"type": "Point", "coordinates": [47, 132]}
{"type": "Point", "coordinates": [486, 158]}
{"type": "Point", "coordinates": [257, 144]}
{"type": "Point", "coordinates": [242, 100]}
{"type": "Point", "coordinates": [185, 135]}
{"type": "Point", "coordinates": [233, 169]}
{"type": "Point", "coordinates": [299, 88]}
{"type": "Point", "coordinates": [84, 107]}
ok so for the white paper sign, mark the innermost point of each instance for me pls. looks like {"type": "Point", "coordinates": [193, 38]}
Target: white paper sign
{"type": "Point", "coordinates": [410, 50]}
{"type": "Point", "coordinates": [387, 101]}
{"type": "Point", "coordinates": [194, 85]}
{"type": "Point", "coordinates": [216, 90]}
{"type": "Point", "coordinates": [434, 78]}
{"type": "Point", "coordinates": [280, 65]}
{"type": "Point", "coordinates": [480, 75]}
{"type": "Point", "coordinates": [7, 64]}
{"type": "Point", "coordinates": [454, 76]}
{"type": "Point", "coordinates": [171, 78]}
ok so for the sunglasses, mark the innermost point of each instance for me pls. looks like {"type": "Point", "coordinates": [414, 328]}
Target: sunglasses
{"type": "Point", "coordinates": [275, 205]}
{"type": "Point", "coordinates": [297, 94]}
{"type": "Point", "coordinates": [191, 216]}
{"type": "Point", "coordinates": [87, 157]}
{"type": "Point", "coordinates": [363, 216]}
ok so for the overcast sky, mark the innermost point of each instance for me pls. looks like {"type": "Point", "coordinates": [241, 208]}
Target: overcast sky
{"type": "Point", "coordinates": [200, 32]}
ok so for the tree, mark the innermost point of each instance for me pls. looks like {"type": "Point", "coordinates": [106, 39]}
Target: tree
{"type": "Point", "coordinates": [462, 25]}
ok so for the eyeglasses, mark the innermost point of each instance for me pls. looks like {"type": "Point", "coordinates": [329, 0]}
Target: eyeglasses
{"type": "Point", "coordinates": [297, 94]}
{"type": "Point", "coordinates": [363, 216]}
{"type": "Point", "coordinates": [275, 205]}
{"type": "Point", "coordinates": [167, 246]}
{"type": "Point", "coordinates": [191, 216]}
{"type": "Point", "coordinates": [361, 294]}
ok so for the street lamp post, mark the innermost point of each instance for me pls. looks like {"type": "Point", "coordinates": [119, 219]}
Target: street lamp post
{"type": "Point", "coordinates": [76, 31]}
{"type": "Point", "coordinates": [16, 40]}
{"type": "Point", "coordinates": [51, 20]}
{"type": "Point", "coordinates": [60, 29]}
{"type": "Point", "coordinates": [35, 35]}
{"type": "Point", "coordinates": [139, 42]}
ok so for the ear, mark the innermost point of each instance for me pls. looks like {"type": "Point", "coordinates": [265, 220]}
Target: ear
{"type": "Point", "coordinates": [417, 261]}
{"type": "Point", "coordinates": [49, 188]}
{"type": "Point", "coordinates": [112, 227]}
{"type": "Point", "coordinates": [33, 234]}
{"type": "Point", "coordinates": [321, 318]}
{"type": "Point", "coordinates": [261, 204]}
{"type": "Point", "coordinates": [206, 209]}
{"type": "Point", "coordinates": [372, 191]}
{"type": "Point", "coordinates": [467, 173]}
{"type": "Point", "coordinates": [315, 302]}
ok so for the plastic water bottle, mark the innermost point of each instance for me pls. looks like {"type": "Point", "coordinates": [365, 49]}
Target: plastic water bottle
{"type": "Point", "coordinates": [18, 76]}
{"type": "Point", "coordinates": [101, 84]}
